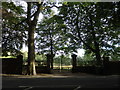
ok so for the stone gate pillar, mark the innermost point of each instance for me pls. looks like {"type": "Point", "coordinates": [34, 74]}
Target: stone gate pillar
{"type": "Point", "coordinates": [74, 63]}
{"type": "Point", "coordinates": [105, 59]}
{"type": "Point", "coordinates": [52, 56]}
{"type": "Point", "coordinates": [48, 61]}
{"type": "Point", "coordinates": [106, 65]}
{"type": "Point", "coordinates": [20, 64]}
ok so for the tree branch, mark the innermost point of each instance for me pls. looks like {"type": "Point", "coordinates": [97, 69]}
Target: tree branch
{"type": "Point", "coordinates": [53, 6]}
{"type": "Point", "coordinates": [36, 14]}
{"type": "Point", "coordinates": [79, 35]}
{"type": "Point", "coordinates": [30, 16]}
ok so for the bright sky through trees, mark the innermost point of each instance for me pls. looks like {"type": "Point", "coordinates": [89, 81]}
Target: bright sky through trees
{"type": "Point", "coordinates": [80, 51]}
{"type": "Point", "coordinates": [41, 16]}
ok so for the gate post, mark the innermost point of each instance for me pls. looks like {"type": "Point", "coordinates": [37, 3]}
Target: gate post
{"type": "Point", "coordinates": [48, 62]}
{"type": "Point", "coordinates": [74, 62]}
{"type": "Point", "coordinates": [51, 61]}
{"type": "Point", "coordinates": [105, 60]}
{"type": "Point", "coordinates": [20, 63]}
{"type": "Point", "coordinates": [106, 65]}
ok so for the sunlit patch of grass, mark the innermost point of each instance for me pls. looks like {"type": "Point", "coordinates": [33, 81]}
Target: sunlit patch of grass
{"type": "Point", "coordinates": [63, 67]}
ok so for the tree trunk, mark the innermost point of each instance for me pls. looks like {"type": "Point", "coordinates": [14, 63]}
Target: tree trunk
{"type": "Point", "coordinates": [51, 50]}
{"type": "Point", "coordinates": [51, 43]}
{"type": "Point", "coordinates": [31, 28]}
{"type": "Point", "coordinates": [31, 51]}
{"type": "Point", "coordinates": [96, 44]}
{"type": "Point", "coordinates": [97, 53]}
{"type": "Point", "coordinates": [31, 47]}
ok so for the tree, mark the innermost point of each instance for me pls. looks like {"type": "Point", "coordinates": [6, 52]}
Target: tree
{"type": "Point", "coordinates": [12, 37]}
{"type": "Point", "coordinates": [91, 26]}
{"type": "Point", "coordinates": [50, 36]}
{"type": "Point", "coordinates": [33, 10]}
{"type": "Point", "coordinates": [80, 25]}
{"type": "Point", "coordinates": [30, 23]}
{"type": "Point", "coordinates": [32, 19]}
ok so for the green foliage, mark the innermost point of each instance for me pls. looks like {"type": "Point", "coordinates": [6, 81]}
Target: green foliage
{"type": "Point", "coordinates": [25, 55]}
{"type": "Point", "coordinates": [41, 57]}
{"type": "Point", "coordinates": [13, 8]}
{"type": "Point", "coordinates": [64, 59]}
{"type": "Point", "coordinates": [12, 37]}
{"type": "Point", "coordinates": [51, 35]}
{"type": "Point", "coordinates": [104, 30]}
{"type": "Point", "coordinates": [69, 30]}
{"type": "Point", "coordinates": [86, 60]}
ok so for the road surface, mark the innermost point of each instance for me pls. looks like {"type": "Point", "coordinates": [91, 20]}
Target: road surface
{"type": "Point", "coordinates": [59, 82]}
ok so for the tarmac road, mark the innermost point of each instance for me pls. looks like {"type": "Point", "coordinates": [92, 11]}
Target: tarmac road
{"type": "Point", "coordinates": [60, 82]}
